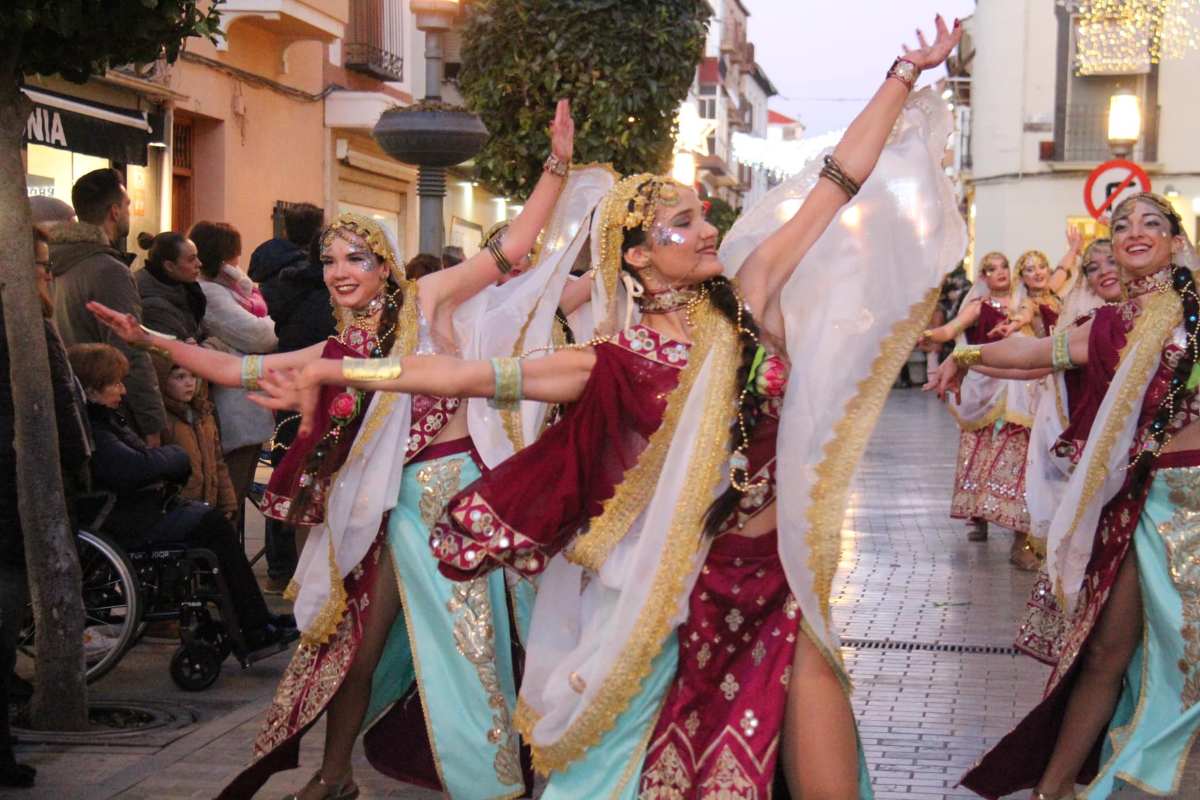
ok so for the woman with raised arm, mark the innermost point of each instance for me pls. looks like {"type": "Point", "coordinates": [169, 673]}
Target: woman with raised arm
{"type": "Point", "coordinates": [1121, 549]}
{"type": "Point", "coordinates": [681, 637]}
{"type": "Point", "coordinates": [994, 415]}
{"type": "Point", "coordinates": [435, 686]}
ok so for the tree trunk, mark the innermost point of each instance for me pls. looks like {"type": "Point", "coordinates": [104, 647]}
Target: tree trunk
{"type": "Point", "coordinates": [60, 697]}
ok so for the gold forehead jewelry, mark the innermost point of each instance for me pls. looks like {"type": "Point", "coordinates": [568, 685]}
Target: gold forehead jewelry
{"type": "Point", "coordinates": [370, 232]}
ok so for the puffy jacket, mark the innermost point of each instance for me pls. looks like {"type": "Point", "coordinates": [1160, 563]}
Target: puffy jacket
{"type": "Point", "coordinates": [272, 257]}
{"type": "Point", "coordinates": [87, 268]}
{"type": "Point", "coordinates": [169, 306]}
{"type": "Point", "coordinates": [193, 427]}
{"type": "Point", "coordinates": [298, 301]}
{"type": "Point", "coordinates": [139, 475]}
{"type": "Point", "coordinates": [74, 446]}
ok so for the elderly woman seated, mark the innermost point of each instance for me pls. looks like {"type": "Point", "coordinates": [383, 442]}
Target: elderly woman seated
{"type": "Point", "coordinates": [147, 509]}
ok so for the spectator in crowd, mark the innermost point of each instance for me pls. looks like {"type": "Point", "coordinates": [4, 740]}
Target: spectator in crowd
{"type": "Point", "coordinates": [233, 322]}
{"type": "Point", "coordinates": [452, 254]}
{"type": "Point", "coordinates": [49, 211]}
{"type": "Point", "coordinates": [87, 266]}
{"type": "Point", "coordinates": [301, 223]}
{"type": "Point", "coordinates": [172, 300]}
{"type": "Point", "coordinates": [74, 450]}
{"type": "Point", "coordinates": [147, 510]}
{"type": "Point", "coordinates": [422, 264]}
{"type": "Point", "coordinates": [192, 425]}
{"type": "Point", "coordinates": [293, 282]}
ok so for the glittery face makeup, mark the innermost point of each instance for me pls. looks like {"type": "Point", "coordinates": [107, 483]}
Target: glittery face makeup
{"type": "Point", "coordinates": [664, 235]}
{"type": "Point", "coordinates": [357, 253]}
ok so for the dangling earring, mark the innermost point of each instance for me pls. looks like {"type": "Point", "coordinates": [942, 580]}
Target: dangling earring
{"type": "Point", "coordinates": [635, 289]}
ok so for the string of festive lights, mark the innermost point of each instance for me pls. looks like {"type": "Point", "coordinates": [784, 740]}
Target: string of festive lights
{"type": "Point", "coordinates": [780, 158]}
{"type": "Point", "coordinates": [1124, 36]}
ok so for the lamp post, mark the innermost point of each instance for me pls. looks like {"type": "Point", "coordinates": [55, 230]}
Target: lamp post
{"type": "Point", "coordinates": [431, 134]}
{"type": "Point", "coordinates": [1124, 122]}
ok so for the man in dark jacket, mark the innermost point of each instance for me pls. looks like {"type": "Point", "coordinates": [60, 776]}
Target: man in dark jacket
{"type": "Point", "coordinates": [87, 267]}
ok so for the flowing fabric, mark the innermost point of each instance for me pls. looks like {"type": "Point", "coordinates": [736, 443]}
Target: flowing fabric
{"type": "Point", "coordinates": [608, 605]}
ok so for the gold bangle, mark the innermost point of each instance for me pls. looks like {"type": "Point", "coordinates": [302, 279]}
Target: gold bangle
{"type": "Point", "coordinates": [497, 250]}
{"type": "Point", "coordinates": [252, 370]}
{"type": "Point", "coordinates": [507, 393]}
{"type": "Point", "coordinates": [968, 355]}
{"type": "Point", "coordinates": [905, 71]}
{"type": "Point", "coordinates": [556, 166]}
{"type": "Point", "coordinates": [1060, 352]}
{"type": "Point", "coordinates": [372, 369]}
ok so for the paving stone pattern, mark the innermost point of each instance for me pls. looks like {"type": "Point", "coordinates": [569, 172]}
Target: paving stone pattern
{"type": "Point", "coordinates": [908, 576]}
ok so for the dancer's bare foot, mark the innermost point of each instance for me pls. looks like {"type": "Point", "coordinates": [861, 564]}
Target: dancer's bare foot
{"type": "Point", "coordinates": [320, 788]}
{"type": "Point", "coordinates": [1022, 554]}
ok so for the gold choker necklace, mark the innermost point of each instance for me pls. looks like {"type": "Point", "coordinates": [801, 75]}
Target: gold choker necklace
{"type": "Point", "coordinates": [373, 307]}
{"type": "Point", "coordinates": [1156, 283]}
{"type": "Point", "coordinates": [668, 300]}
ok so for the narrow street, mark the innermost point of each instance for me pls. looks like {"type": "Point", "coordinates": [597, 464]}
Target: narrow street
{"type": "Point", "coordinates": [927, 620]}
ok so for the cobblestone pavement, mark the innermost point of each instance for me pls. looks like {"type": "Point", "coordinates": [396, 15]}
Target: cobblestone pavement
{"type": "Point", "coordinates": [927, 618]}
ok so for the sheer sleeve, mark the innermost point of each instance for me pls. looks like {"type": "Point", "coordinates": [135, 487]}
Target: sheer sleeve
{"type": "Point", "coordinates": [529, 507]}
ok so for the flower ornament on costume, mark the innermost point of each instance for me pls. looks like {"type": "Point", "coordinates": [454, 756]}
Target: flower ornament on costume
{"type": "Point", "coordinates": [768, 375]}
{"type": "Point", "coordinates": [345, 407]}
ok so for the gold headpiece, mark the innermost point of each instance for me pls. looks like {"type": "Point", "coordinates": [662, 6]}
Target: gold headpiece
{"type": "Point", "coordinates": [371, 232]}
{"type": "Point", "coordinates": [1125, 207]}
{"type": "Point", "coordinates": [631, 204]}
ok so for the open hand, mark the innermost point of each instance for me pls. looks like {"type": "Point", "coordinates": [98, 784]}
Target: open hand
{"type": "Point", "coordinates": [1005, 329]}
{"type": "Point", "coordinates": [928, 55]}
{"type": "Point", "coordinates": [562, 132]}
{"type": "Point", "coordinates": [125, 326]}
{"type": "Point", "coordinates": [289, 390]}
{"type": "Point", "coordinates": [1074, 239]}
{"type": "Point", "coordinates": [946, 380]}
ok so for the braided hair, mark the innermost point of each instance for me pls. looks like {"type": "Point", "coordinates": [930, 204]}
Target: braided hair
{"type": "Point", "coordinates": [728, 302]}
{"type": "Point", "coordinates": [1185, 286]}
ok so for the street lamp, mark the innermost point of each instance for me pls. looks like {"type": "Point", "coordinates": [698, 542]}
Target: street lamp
{"type": "Point", "coordinates": [431, 134]}
{"type": "Point", "coordinates": [1124, 121]}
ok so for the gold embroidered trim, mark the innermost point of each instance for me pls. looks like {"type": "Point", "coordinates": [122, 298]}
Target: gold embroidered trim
{"type": "Point", "coordinates": [1159, 317]}
{"type": "Point", "coordinates": [1181, 535]}
{"type": "Point", "coordinates": [325, 623]}
{"type": "Point", "coordinates": [841, 454]}
{"type": "Point", "coordinates": [637, 486]}
{"type": "Point", "coordinates": [705, 468]}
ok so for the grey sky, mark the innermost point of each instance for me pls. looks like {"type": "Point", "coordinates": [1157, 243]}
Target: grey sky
{"type": "Point", "coordinates": [813, 51]}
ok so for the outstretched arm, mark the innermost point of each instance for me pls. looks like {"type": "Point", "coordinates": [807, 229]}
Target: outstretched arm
{"type": "Point", "coordinates": [214, 366]}
{"type": "Point", "coordinates": [965, 319]}
{"type": "Point", "coordinates": [556, 378]}
{"type": "Point", "coordinates": [768, 268]}
{"type": "Point", "coordinates": [447, 288]}
{"type": "Point", "coordinates": [1017, 353]}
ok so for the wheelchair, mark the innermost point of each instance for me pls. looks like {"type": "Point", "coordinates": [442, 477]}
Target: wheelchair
{"type": "Point", "coordinates": [126, 589]}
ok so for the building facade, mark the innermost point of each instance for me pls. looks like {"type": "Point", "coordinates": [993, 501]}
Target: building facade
{"type": "Point", "coordinates": [1033, 124]}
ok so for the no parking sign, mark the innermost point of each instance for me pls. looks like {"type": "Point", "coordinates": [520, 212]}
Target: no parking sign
{"type": "Point", "coordinates": [1112, 182]}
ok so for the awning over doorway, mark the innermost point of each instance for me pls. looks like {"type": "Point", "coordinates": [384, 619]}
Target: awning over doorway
{"type": "Point", "coordinates": [85, 126]}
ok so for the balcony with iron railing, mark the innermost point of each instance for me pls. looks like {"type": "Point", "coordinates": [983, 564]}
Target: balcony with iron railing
{"type": "Point", "coordinates": [374, 42]}
{"type": "Point", "coordinates": [1081, 135]}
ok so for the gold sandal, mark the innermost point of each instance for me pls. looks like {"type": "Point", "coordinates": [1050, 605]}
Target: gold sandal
{"type": "Point", "coordinates": [344, 789]}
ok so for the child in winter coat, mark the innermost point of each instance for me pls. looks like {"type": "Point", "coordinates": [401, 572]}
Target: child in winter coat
{"type": "Point", "coordinates": [192, 425]}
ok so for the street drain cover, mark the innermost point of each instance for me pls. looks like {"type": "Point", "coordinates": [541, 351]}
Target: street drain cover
{"type": "Point", "coordinates": [124, 722]}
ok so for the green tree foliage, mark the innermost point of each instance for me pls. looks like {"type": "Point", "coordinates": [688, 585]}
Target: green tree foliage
{"type": "Point", "coordinates": [75, 39]}
{"type": "Point", "coordinates": [721, 215]}
{"type": "Point", "coordinates": [625, 65]}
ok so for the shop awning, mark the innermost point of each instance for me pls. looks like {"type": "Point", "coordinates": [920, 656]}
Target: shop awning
{"type": "Point", "coordinates": [85, 126]}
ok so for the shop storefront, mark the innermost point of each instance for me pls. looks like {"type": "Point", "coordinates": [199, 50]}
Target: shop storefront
{"type": "Point", "coordinates": [67, 137]}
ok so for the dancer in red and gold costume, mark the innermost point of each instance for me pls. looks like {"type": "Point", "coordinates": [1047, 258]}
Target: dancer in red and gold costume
{"type": "Point", "coordinates": [424, 664]}
{"type": "Point", "coordinates": [681, 639]}
{"type": "Point", "coordinates": [994, 414]}
{"type": "Point", "coordinates": [1122, 705]}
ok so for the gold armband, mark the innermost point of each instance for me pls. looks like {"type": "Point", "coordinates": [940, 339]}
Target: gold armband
{"type": "Point", "coordinates": [372, 369]}
{"type": "Point", "coordinates": [967, 356]}
{"type": "Point", "coordinates": [1060, 353]}
{"type": "Point", "coordinates": [508, 392]}
{"type": "Point", "coordinates": [252, 370]}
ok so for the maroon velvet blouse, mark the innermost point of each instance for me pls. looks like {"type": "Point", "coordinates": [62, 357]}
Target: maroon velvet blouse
{"type": "Point", "coordinates": [530, 506]}
{"type": "Point", "coordinates": [992, 312]}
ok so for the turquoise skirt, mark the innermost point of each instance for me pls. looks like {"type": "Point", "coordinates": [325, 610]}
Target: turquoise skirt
{"type": "Point", "coordinates": [454, 641]}
{"type": "Point", "coordinates": [1158, 715]}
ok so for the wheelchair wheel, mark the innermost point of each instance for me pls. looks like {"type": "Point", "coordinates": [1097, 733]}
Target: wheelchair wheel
{"type": "Point", "coordinates": [112, 607]}
{"type": "Point", "coordinates": [196, 667]}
